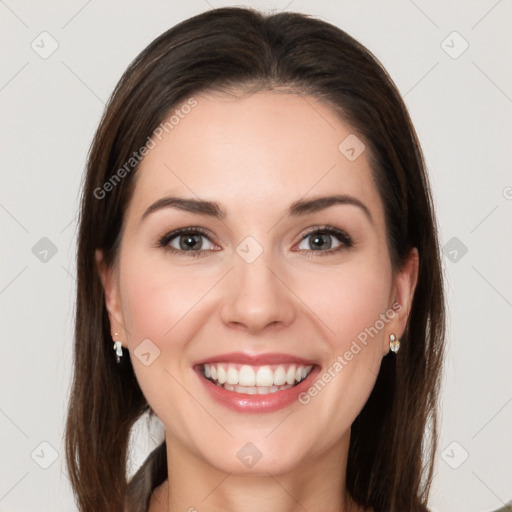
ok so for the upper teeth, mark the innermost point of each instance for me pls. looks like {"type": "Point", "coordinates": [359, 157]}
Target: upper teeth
{"type": "Point", "coordinates": [245, 375]}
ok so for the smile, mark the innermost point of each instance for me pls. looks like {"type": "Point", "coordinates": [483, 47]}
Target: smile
{"type": "Point", "coordinates": [255, 380]}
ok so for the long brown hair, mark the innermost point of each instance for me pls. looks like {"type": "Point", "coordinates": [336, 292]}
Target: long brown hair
{"type": "Point", "coordinates": [243, 50]}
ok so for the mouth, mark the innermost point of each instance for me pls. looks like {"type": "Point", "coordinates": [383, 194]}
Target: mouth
{"type": "Point", "coordinates": [255, 380]}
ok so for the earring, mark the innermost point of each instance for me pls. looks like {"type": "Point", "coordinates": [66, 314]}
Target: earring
{"type": "Point", "coordinates": [118, 348]}
{"type": "Point", "coordinates": [394, 343]}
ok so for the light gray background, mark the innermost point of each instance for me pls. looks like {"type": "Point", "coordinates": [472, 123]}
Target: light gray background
{"type": "Point", "coordinates": [50, 108]}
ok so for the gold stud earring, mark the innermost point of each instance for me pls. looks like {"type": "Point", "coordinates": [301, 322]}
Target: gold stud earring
{"type": "Point", "coordinates": [394, 343]}
{"type": "Point", "coordinates": [118, 348]}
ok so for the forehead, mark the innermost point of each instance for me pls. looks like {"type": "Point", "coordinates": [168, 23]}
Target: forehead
{"type": "Point", "coordinates": [256, 151]}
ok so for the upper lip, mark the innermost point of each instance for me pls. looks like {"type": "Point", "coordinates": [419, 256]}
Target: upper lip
{"type": "Point", "coordinates": [255, 359]}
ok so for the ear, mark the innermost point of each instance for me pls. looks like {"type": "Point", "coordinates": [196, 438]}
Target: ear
{"type": "Point", "coordinates": [404, 285]}
{"type": "Point", "coordinates": [110, 281]}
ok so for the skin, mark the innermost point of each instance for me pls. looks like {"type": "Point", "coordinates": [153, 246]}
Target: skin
{"type": "Point", "coordinates": [255, 155]}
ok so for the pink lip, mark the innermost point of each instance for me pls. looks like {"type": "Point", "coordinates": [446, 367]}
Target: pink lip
{"type": "Point", "coordinates": [256, 404]}
{"type": "Point", "coordinates": [255, 359]}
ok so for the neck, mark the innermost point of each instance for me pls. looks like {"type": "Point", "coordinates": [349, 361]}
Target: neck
{"type": "Point", "coordinates": [194, 485]}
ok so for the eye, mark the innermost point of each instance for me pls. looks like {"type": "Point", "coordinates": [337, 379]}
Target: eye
{"type": "Point", "coordinates": [189, 241]}
{"type": "Point", "coordinates": [321, 239]}
{"type": "Point", "coordinates": [186, 240]}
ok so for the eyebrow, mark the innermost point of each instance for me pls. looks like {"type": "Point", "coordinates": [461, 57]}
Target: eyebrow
{"type": "Point", "coordinates": [214, 209]}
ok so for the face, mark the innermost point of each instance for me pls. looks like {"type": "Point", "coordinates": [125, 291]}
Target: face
{"type": "Point", "coordinates": [305, 285]}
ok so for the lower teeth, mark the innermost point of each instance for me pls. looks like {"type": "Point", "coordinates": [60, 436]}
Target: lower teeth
{"type": "Point", "coordinates": [253, 390]}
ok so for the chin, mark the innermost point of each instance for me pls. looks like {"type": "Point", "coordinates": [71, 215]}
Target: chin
{"type": "Point", "coordinates": [258, 457]}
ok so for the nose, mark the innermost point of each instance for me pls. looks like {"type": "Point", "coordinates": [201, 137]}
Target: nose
{"type": "Point", "coordinates": [258, 296]}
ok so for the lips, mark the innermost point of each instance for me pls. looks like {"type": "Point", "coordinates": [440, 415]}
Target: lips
{"type": "Point", "coordinates": [255, 359]}
{"type": "Point", "coordinates": [255, 383]}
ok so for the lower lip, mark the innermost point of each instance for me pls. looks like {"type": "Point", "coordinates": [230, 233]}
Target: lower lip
{"type": "Point", "coordinates": [240, 402]}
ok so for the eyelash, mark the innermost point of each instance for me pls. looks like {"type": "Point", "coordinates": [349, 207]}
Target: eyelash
{"type": "Point", "coordinates": [342, 236]}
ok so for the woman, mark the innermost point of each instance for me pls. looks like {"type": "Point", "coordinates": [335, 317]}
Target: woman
{"type": "Point", "coordinates": [257, 243]}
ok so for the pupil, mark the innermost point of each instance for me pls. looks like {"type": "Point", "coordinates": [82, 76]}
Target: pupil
{"type": "Point", "coordinates": [193, 239]}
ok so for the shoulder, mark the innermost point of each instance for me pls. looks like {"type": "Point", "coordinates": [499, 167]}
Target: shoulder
{"type": "Point", "coordinates": [506, 508]}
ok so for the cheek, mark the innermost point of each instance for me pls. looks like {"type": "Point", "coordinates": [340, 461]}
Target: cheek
{"type": "Point", "coordinates": [159, 303]}
{"type": "Point", "coordinates": [352, 304]}
{"type": "Point", "coordinates": [349, 299]}
{"type": "Point", "coordinates": [156, 297]}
